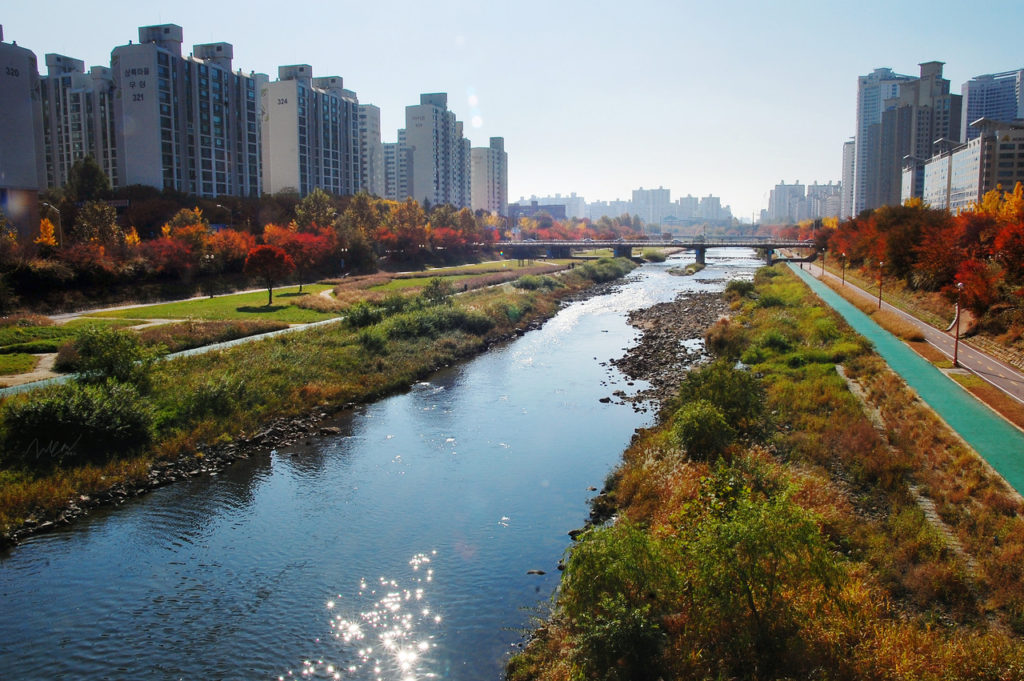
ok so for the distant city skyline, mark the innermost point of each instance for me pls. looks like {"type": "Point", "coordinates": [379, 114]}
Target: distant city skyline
{"type": "Point", "coordinates": [592, 98]}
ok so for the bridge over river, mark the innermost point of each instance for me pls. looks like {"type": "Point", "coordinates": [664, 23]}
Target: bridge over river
{"type": "Point", "coordinates": [621, 248]}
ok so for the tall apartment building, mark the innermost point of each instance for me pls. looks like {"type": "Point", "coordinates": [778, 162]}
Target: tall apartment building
{"type": "Point", "coordinates": [823, 200]}
{"type": "Point", "coordinates": [997, 96]}
{"type": "Point", "coordinates": [652, 205]}
{"type": "Point", "coordinates": [397, 169]}
{"type": "Point", "coordinates": [371, 151]}
{"type": "Point", "coordinates": [22, 168]}
{"type": "Point", "coordinates": [873, 91]}
{"type": "Point", "coordinates": [993, 159]}
{"type": "Point", "coordinates": [846, 200]}
{"type": "Point", "coordinates": [310, 133]}
{"type": "Point", "coordinates": [489, 177]}
{"type": "Point", "coordinates": [439, 167]}
{"type": "Point", "coordinates": [184, 123]}
{"type": "Point", "coordinates": [786, 203]}
{"type": "Point", "coordinates": [78, 117]}
{"type": "Point", "coordinates": [923, 113]}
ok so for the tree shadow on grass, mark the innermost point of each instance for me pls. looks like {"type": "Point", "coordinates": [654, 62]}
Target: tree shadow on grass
{"type": "Point", "coordinates": [261, 309]}
{"type": "Point", "coordinates": [292, 294]}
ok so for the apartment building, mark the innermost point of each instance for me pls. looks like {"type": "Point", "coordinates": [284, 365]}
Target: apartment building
{"type": "Point", "coordinates": [371, 151]}
{"type": "Point", "coordinates": [78, 117]}
{"type": "Point", "coordinates": [997, 96]}
{"type": "Point", "coordinates": [439, 157]}
{"type": "Point", "coordinates": [185, 123]}
{"type": "Point", "coordinates": [489, 177]}
{"type": "Point", "coordinates": [22, 167]}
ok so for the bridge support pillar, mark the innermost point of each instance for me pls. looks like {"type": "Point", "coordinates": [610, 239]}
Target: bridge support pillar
{"type": "Point", "coordinates": [701, 255]}
{"type": "Point", "coordinates": [768, 253]}
{"type": "Point", "coordinates": [623, 251]}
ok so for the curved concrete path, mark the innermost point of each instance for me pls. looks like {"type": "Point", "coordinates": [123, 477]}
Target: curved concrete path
{"type": "Point", "coordinates": [997, 441]}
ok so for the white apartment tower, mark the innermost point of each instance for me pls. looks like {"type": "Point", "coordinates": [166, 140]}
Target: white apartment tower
{"type": "Point", "coordinates": [652, 205]}
{"type": "Point", "coordinates": [439, 166]}
{"type": "Point", "coordinates": [846, 191]}
{"type": "Point", "coordinates": [371, 151]}
{"type": "Point", "coordinates": [78, 117]}
{"type": "Point", "coordinates": [184, 123]}
{"type": "Point", "coordinates": [489, 170]}
{"type": "Point", "coordinates": [310, 133]}
{"type": "Point", "coordinates": [22, 170]}
{"type": "Point", "coordinates": [873, 90]}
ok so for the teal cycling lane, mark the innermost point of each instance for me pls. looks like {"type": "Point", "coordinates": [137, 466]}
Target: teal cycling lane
{"type": "Point", "coordinates": [996, 440]}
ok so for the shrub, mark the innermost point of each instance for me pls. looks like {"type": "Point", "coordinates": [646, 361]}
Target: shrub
{"type": "Point", "coordinates": [438, 291]}
{"type": "Point", "coordinates": [738, 288]}
{"type": "Point", "coordinates": [434, 321]}
{"type": "Point", "coordinates": [374, 341]}
{"type": "Point", "coordinates": [533, 282]}
{"type": "Point", "coordinates": [736, 393]}
{"type": "Point", "coordinates": [725, 339]}
{"type": "Point", "coordinates": [701, 429]}
{"type": "Point", "coordinates": [653, 255]}
{"type": "Point", "coordinates": [72, 424]}
{"type": "Point", "coordinates": [363, 314]}
{"type": "Point", "coordinates": [106, 353]}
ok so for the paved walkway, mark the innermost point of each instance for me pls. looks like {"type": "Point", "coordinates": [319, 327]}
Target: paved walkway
{"type": "Point", "coordinates": [1000, 374]}
{"type": "Point", "coordinates": [996, 440]}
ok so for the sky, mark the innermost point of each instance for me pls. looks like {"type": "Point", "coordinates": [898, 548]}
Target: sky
{"type": "Point", "coordinates": [722, 97]}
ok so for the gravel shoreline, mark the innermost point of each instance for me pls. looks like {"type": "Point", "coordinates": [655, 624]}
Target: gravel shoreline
{"type": "Point", "coordinates": [667, 349]}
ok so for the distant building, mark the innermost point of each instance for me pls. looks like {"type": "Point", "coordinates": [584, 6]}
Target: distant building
{"type": "Point", "coordinates": [310, 133]}
{"type": "Point", "coordinates": [22, 168]}
{"type": "Point", "coordinates": [516, 211]}
{"type": "Point", "coordinates": [846, 201]}
{"type": "Point", "coordinates": [78, 117]}
{"type": "Point", "coordinates": [652, 205]}
{"type": "Point", "coordinates": [184, 123]}
{"type": "Point", "coordinates": [575, 206]}
{"type": "Point", "coordinates": [371, 151]}
{"type": "Point", "coordinates": [397, 168]}
{"type": "Point", "coordinates": [997, 96]}
{"type": "Point", "coordinates": [993, 159]}
{"type": "Point", "coordinates": [786, 203]}
{"type": "Point", "coordinates": [489, 177]}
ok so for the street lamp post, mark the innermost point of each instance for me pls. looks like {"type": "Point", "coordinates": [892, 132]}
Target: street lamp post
{"type": "Point", "coordinates": [823, 252]}
{"type": "Point", "coordinates": [956, 341]}
{"type": "Point", "coordinates": [60, 223]}
{"type": "Point", "coordinates": [881, 264]}
{"type": "Point", "coordinates": [844, 269]}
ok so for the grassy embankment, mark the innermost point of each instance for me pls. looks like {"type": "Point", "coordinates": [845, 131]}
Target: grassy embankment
{"type": "Point", "coordinates": [227, 394]}
{"type": "Point", "coordinates": [804, 537]}
{"type": "Point", "coordinates": [25, 336]}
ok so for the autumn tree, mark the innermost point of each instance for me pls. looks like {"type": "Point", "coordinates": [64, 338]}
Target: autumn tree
{"type": "Point", "coordinates": [269, 264]}
{"type": "Point", "coordinates": [406, 231]}
{"type": "Point", "coordinates": [47, 239]}
{"type": "Point", "coordinates": [306, 249]}
{"type": "Point", "coordinates": [97, 223]}
{"type": "Point", "coordinates": [229, 248]}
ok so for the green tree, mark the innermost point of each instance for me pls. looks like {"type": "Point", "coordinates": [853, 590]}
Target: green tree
{"type": "Point", "coordinates": [438, 291]}
{"type": "Point", "coordinates": [97, 222]}
{"type": "Point", "coordinates": [315, 210]}
{"type": "Point", "coordinates": [87, 181]}
{"type": "Point", "coordinates": [701, 429]}
{"type": "Point", "coordinates": [106, 354]}
{"type": "Point", "coordinates": [736, 393]}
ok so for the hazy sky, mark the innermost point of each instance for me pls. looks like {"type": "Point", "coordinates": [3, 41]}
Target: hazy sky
{"type": "Point", "coordinates": [723, 97]}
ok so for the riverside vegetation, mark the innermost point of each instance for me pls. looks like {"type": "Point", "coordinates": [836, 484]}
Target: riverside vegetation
{"type": "Point", "coordinates": [127, 412]}
{"type": "Point", "coordinates": [776, 524]}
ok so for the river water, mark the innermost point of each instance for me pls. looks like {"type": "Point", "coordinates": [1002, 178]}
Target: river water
{"type": "Point", "coordinates": [397, 550]}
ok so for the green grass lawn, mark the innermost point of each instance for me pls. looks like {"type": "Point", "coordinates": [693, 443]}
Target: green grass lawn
{"type": "Point", "coordinates": [240, 306]}
{"type": "Point", "coordinates": [17, 363]}
{"type": "Point", "coordinates": [36, 339]}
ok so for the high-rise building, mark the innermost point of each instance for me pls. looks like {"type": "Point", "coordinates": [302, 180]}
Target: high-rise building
{"type": "Point", "coordinates": [397, 169]}
{"type": "Point", "coordinates": [371, 151]}
{"type": "Point", "coordinates": [439, 170]}
{"type": "Point", "coordinates": [652, 205]}
{"type": "Point", "coordinates": [823, 200]}
{"type": "Point", "coordinates": [78, 117]}
{"type": "Point", "coordinates": [993, 159]}
{"type": "Point", "coordinates": [489, 171]}
{"type": "Point", "coordinates": [997, 96]}
{"type": "Point", "coordinates": [923, 113]}
{"type": "Point", "coordinates": [873, 91]}
{"type": "Point", "coordinates": [310, 133]}
{"type": "Point", "coordinates": [786, 203]}
{"type": "Point", "coordinates": [184, 123]}
{"type": "Point", "coordinates": [846, 201]}
{"type": "Point", "coordinates": [22, 168]}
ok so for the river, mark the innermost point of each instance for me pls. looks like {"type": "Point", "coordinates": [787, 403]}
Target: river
{"type": "Point", "coordinates": [399, 549]}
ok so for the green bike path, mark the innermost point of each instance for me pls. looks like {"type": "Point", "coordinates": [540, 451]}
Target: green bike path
{"type": "Point", "coordinates": [996, 440]}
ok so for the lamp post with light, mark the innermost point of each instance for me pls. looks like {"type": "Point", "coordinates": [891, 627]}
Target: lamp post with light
{"type": "Point", "coordinates": [881, 264]}
{"type": "Point", "coordinates": [956, 337]}
{"type": "Point", "coordinates": [844, 268]}
{"type": "Point", "coordinates": [60, 222]}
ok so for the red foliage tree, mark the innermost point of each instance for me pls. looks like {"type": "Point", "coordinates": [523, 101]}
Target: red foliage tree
{"type": "Point", "coordinates": [169, 256]}
{"type": "Point", "coordinates": [1008, 250]}
{"type": "Point", "coordinates": [230, 247]}
{"type": "Point", "coordinates": [269, 264]}
{"type": "Point", "coordinates": [981, 286]}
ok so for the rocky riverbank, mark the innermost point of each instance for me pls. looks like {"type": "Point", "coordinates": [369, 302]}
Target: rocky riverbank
{"type": "Point", "coordinates": [671, 343]}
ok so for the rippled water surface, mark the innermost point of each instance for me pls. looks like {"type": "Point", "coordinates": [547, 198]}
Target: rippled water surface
{"type": "Point", "coordinates": [396, 550]}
